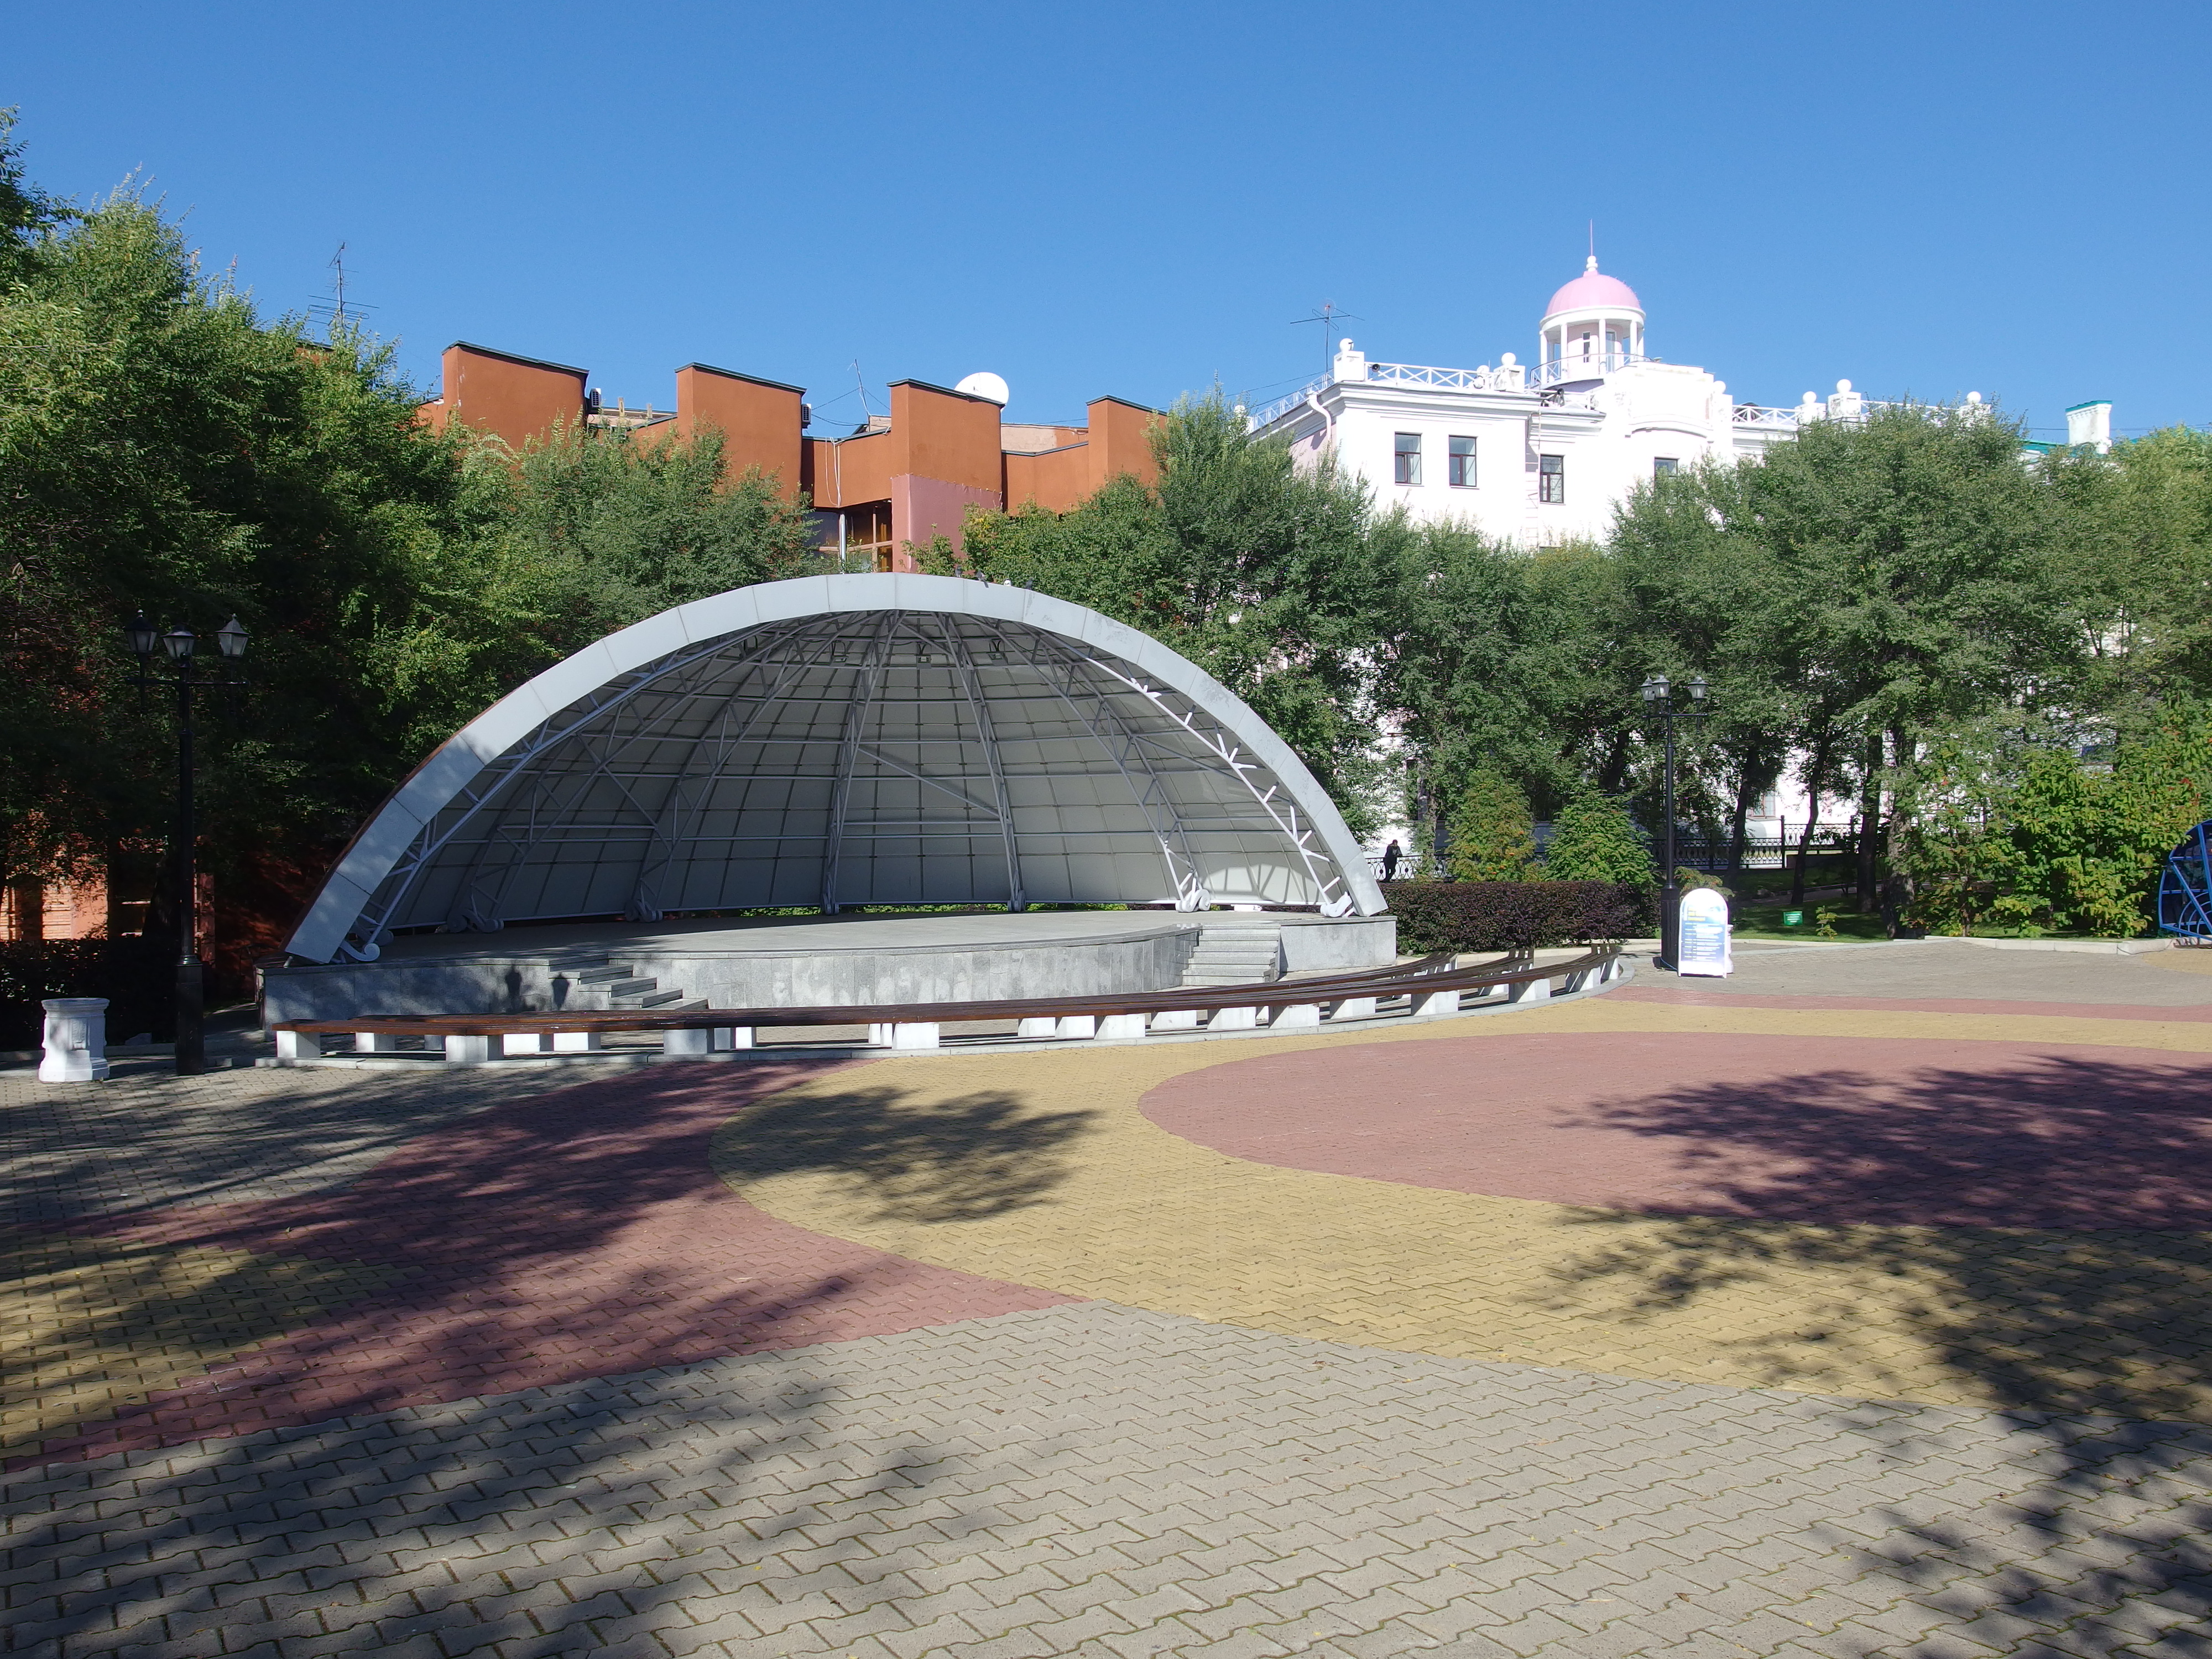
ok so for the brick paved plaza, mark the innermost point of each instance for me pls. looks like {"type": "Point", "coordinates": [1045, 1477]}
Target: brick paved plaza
{"type": "Point", "coordinates": [1856, 1306]}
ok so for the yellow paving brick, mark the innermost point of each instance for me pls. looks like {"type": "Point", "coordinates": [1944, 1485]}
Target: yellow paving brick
{"type": "Point", "coordinates": [1041, 1168]}
{"type": "Point", "coordinates": [89, 1326]}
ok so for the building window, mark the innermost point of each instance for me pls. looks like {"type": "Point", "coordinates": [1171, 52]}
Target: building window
{"type": "Point", "coordinates": [1408, 467]}
{"type": "Point", "coordinates": [1462, 463]}
{"type": "Point", "coordinates": [1665, 466]}
{"type": "Point", "coordinates": [1551, 478]}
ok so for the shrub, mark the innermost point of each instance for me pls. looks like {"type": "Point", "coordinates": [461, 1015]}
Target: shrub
{"type": "Point", "coordinates": [138, 977]}
{"type": "Point", "coordinates": [1594, 839]}
{"type": "Point", "coordinates": [1507, 915]}
{"type": "Point", "coordinates": [1493, 833]}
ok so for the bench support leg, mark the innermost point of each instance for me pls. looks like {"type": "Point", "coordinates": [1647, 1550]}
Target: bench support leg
{"type": "Point", "coordinates": [577, 1043]}
{"type": "Point", "coordinates": [915, 1036]}
{"type": "Point", "coordinates": [1234, 1020]}
{"type": "Point", "coordinates": [1078, 1025]}
{"type": "Point", "coordinates": [734, 1036]}
{"type": "Point", "coordinates": [375, 1043]}
{"type": "Point", "coordinates": [1534, 990]}
{"type": "Point", "coordinates": [1121, 1025]}
{"type": "Point", "coordinates": [1353, 1008]}
{"type": "Point", "coordinates": [467, 1050]}
{"type": "Point", "coordinates": [1298, 1014]}
{"type": "Point", "coordinates": [298, 1045]}
{"type": "Point", "coordinates": [1437, 1002]}
{"type": "Point", "coordinates": [1042, 1025]}
{"type": "Point", "coordinates": [687, 1043]}
{"type": "Point", "coordinates": [1179, 1019]}
{"type": "Point", "coordinates": [527, 1042]}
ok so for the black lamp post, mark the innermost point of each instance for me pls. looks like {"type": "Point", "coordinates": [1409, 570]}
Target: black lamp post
{"type": "Point", "coordinates": [178, 645]}
{"type": "Point", "coordinates": [1659, 700]}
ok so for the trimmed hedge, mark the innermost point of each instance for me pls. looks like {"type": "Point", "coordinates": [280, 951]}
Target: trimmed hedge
{"type": "Point", "coordinates": [1508, 916]}
{"type": "Point", "coordinates": [138, 977]}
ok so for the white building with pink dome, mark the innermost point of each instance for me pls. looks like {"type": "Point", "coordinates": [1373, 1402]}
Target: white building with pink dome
{"type": "Point", "coordinates": [1538, 452]}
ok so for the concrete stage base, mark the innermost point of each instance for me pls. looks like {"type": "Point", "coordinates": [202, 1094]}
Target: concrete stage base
{"type": "Point", "coordinates": [800, 962]}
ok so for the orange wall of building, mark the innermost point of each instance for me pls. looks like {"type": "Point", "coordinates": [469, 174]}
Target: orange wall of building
{"type": "Point", "coordinates": [1119, 442]}
{"type": "Point", "coordinates": [1055, 481]}
{"type": "Point", "coordinates": [515, 397]}
{"type": "Point", "coordinates": [759, 418]}
{"type": "Point", "coordinates": [847, 471]}
{"type": "Point", "coordinates": [946, 435]}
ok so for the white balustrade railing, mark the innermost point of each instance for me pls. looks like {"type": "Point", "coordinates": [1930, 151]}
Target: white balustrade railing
{"type": "Point", "coordinates": [1268, 414]}
{"type": "Point", "coordinates": [1448, 380]}
{"type": "Point", "coordinates": [1774, 420]}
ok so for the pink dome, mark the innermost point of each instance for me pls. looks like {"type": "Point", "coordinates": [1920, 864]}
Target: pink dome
{"type": "Point", "coordinates": [1594, 290]}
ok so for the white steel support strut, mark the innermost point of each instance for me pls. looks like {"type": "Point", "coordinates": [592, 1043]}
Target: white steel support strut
{"type": "Point", "coordinates": [963, 664]}
{"type": "Point", "coordinates": [849, 750]}
{"type": "Point", "coordinates": [1126, 748]}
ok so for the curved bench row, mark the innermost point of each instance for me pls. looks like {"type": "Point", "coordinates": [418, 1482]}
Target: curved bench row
{"type": "Point", "coordinates": [1434, 985]}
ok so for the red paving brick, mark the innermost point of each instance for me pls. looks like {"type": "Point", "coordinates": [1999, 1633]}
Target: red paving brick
{"type": "Point", "coordinates": [578, 1233]}
{"type": "Point", "coordinates": [1698, 995]}
{"type": "Point", "coordinates": [1820, 1129]}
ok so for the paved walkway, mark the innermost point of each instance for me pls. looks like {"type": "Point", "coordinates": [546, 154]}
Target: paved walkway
{"type": "Point", "coordinates": [1787, 1316]}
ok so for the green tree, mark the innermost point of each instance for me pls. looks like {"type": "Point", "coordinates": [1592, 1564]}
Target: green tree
{"type": "Point", "coordinates": [2020, 832]}
{"type": "Point", "coordinates": [1595, 838]}
{"type": "Point", "coordinates": [1493, 836]}
{"type": "Point", "coordinates": [162, 447]}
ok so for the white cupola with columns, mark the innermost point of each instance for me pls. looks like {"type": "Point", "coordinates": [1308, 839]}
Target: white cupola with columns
{"type": "Point", "coordinates": [1593, 325]}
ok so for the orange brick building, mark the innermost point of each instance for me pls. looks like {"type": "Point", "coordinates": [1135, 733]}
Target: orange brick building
{"type": "Point", "coordinates": [877, 493]}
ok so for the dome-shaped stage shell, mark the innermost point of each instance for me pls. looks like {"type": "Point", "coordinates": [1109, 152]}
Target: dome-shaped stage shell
{"type": "Point", "coordinates": [842, 740]}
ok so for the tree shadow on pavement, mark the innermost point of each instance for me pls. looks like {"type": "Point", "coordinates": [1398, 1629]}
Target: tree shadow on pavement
{"type": "Point", "coordinates": [576, 1233]}
{"type": "Point", "coordinates": [2112, 1547]}
{"type": "Point", "coordinates": [574, 1520]}
{"type": "Point", "coordinates": [2037, 1229]}
{"type": "Point", "coordinates": [980, 1155]}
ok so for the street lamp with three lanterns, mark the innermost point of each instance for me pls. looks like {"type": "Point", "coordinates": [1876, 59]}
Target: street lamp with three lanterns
{"type": "Point", "coordinates": [180, 645]}
{"type": "Point", "coordinates": [1658, 692]}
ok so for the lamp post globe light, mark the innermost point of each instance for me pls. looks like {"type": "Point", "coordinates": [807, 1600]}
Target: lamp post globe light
{"type": "Point", "coordinates": [1658, 695]}
{"type": "Point", "coordinates": [180, 645]}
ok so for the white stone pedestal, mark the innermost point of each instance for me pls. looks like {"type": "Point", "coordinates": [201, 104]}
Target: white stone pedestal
{"type": "Point", "coordinates": [76, 1040]}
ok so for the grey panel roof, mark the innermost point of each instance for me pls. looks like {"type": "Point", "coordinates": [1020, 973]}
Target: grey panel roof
{"type": "Point", "coordinates": [846, 740]}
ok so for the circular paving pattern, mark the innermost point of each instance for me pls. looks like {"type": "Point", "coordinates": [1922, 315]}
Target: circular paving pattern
{"type": "Point", "coordinates": [1801, 1128]}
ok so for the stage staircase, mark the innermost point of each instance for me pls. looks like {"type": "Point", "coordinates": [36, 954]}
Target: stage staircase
{"type": "Point", "coordinates": [1242, 947]}
{"type": "Point", "coordinates": [597, 982]}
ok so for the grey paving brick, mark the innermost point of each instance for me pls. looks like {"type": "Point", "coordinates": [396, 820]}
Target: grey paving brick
{"type": "Point", "coordinates": [1182, 1481]}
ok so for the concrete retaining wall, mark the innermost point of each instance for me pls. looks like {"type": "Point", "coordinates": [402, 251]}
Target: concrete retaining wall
{"type": "Point", "coordinates": [515, 982]}
{"type": "Point", "coordinates": [1338, 942]}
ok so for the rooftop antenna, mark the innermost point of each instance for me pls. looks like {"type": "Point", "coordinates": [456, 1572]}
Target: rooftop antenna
{"type": "Point", "coordinates": [1592, 235]}
{"type": "Point", "coordinates": [1329, 316]}
{"type": "Point", "coordinates": [866, 414]}
{"type": "Point", "coordinates": [335, 311]}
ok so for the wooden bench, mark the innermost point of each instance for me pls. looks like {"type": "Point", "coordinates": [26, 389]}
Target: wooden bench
{"type": "Point", "coordinates": [1434, 985]}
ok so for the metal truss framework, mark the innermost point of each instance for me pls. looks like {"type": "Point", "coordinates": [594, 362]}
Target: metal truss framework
{"type": "Point", "coordinates": [882, 756]}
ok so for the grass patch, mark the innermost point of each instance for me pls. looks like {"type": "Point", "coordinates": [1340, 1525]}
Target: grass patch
{"type": "Point", "coordinates": [1757, 919]}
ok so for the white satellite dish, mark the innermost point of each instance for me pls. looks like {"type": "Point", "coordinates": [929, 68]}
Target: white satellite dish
{"type": "Point", "coordinates": [984, 384]}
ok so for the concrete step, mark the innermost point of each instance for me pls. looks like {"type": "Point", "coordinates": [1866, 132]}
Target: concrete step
{"type": "Point", "coordinates": [629, 987]}
{"type": "Point", "coordinates": [1246, 954]}
{"type": "Point", "coordinates": [600, 975]}
{"type": "Point", "coordinates": [662, 999]}
{"type": "Point", "coordinates": [579, 959]}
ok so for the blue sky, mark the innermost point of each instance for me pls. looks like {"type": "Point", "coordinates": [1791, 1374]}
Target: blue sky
{"type": "Point", "coordinates": [1139, 198]}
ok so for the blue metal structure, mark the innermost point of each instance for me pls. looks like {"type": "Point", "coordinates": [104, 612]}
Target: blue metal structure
{"type": "Point", "coordinates": [2185, 887]}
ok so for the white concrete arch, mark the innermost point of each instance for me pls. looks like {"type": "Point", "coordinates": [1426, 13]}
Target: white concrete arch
{"type": "Point", "coordinates": [883, 739]}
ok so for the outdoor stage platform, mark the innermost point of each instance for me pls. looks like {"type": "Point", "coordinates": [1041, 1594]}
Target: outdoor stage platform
{"type": "Point", "coordinates": [815, 961]}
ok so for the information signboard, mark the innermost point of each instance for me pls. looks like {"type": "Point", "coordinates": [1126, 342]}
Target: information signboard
{"type": "Point", "coordinates": [1705, 935]}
